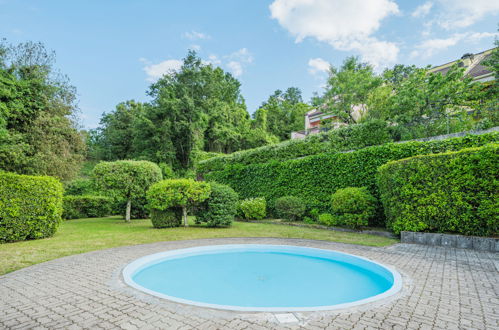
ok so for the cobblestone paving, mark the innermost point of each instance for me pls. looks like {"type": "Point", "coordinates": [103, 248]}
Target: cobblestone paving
{"type": "Point", "coordinates": [444, 288]}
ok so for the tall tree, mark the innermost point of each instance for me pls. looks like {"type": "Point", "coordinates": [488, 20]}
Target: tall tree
{"type": "Point", "coordinates": [38, 130]}
{"type": "Point", "coordinates": [282, 113]}
{"type": "Point", "coordinates": [348, 89]}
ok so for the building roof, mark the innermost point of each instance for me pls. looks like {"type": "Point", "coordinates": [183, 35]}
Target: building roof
{"type": "Point", "coordinates": [473, 64]}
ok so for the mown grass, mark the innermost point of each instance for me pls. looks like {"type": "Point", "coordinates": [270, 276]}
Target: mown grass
{"type": "Point", "coordinates": [84, 235]}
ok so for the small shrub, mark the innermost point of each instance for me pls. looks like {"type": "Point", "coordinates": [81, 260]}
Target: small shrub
{"type": "Point", "coordinates": [253, 208]}
{"type": "Point", "coordinates": [314, 214]}
{"type": "Point", "coordinates": [353, 206]}
{"type": "Point", "coordinates": [220, 208]}
{"type": "Point", "coordinates": [290, 208]}
{"type": "Point", "coordinates": [168, 218]}
{"type": "Point", "coordinates": [183, 193]}
{"type": "Point", "coordinates": [86, 206]}
{"type": "Point", "coordinates": [327, 219]}
{"type": "Point", "coordinates": [309, 220]}
{"type": "Point", "coordinates": [30, 206]}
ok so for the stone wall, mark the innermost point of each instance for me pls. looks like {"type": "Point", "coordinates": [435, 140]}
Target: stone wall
{"type": "Point", "coordinates": [447, 240]}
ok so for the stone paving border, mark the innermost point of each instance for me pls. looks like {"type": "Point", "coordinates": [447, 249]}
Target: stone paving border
{"type": "Point", "coordinates": [444, 288]}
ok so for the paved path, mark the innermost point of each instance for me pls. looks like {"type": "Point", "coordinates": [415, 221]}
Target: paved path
{"type": "Point", "coordinates": [443, 289]}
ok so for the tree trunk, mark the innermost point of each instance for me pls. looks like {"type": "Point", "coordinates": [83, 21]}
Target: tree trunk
{"type": "Point", "coordinates": [184, 210]}
{"type": "Point", "coordinates": [128, 210]}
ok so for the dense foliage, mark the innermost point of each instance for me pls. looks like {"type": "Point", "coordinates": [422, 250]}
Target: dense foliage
{"type": "Point", "coordinates": [220, 208]}
{"type": "Point", "coordinates": [448, 192]}
{"type": "Point", "coordinates": [351, 137]}
{"type": "Point", "coordinates": [253, 208]}
{"type": "Point", "coordinates": [38, 132]}
{"type": "Point", "coordinates": [169, 218]}
{"type": "Point", "coordinates": [416, 101]}
{"type": "Point", "coordinates": [80, 187]}
{"type": "Point", "coordinates": [126, 180]}
{"type": "Point", "coordinates": [282, 113]}
{"type": "Point", "coordinates": [183, 193]}
{"type": "Point", "coordinates": [290, 208]}
{"type": "Point", "coordinates": [30, 206]}
{"type": "Point", "coordinates": [197, 108]}
{"type": "Point", "coordinates": [353, 207]}
{"type": "Point", "coordinates": [86, 206]}
{"type": "Point", "coordinates": [315, 178]}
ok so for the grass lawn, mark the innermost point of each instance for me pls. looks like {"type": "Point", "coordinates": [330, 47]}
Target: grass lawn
{"type": "Point", "coordinates": [83, 235]}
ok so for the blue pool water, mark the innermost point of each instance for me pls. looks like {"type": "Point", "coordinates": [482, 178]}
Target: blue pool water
{"type": "Point", "coordinates": [260, 277]}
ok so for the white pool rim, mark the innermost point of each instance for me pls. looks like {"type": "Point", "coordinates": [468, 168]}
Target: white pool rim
{"type": "Point", "coordinates": [156, 258]}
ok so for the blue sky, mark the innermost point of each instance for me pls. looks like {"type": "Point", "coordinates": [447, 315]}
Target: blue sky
{"type": "Point", "coordinates": [112, 50]}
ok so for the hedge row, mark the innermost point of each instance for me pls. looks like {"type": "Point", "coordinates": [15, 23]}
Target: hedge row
{"type": "Point", "coordinates": [347, 138]}
{"type": "Point", "coordinates": [448, 192]}
{"type": "Point", "coordinates": [30, 206]}
{"type": "Point", "coordinates": [315, 178]}
{"type": "Point", "coordinates": [86, 206]}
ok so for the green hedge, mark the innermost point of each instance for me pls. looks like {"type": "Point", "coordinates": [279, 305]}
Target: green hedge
{"type": "Point", "coordinates": [448, 192]}
{"type": "Point", "coordinates": [315, 178]}
{"type": "Point", "coordinates": [86, 206]}
{"type": "Point", "coordinates": [352, 137]}
{"type": "Point", "coordinates": [281, 151]}
{"type": "Point", "coordinates": [30, 206]}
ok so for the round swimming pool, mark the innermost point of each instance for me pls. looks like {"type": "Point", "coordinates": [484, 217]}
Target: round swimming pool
{"type": "Point", "coordinates": [262, 278]}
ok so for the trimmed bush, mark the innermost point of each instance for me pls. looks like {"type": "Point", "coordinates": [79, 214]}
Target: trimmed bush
{"type": "Point", "coordinates": [181, 193]}
{"type": "Point", "coordinates": [327, 219]}
{"type": "Point", "coordinates": [253, 208]}
{"type": "Point", "coordinates": [30, 206]}
{"type": "Point", "coordinates": [290, 208]}
{"type": "Point", "coordinates": [126, 180]}
{"type": "Point", "coordinates": [220, 208]}
{"type": "Point", "coordinates": [316, 178]}
{"type": "Point", "coordinates": [87, 206]}
{"type": "Point", "coordinates": [168, 218]}
{"type": "Point", "coordinates": [353, 207]}
{"type": "Point", "coordinates": [448, 192]}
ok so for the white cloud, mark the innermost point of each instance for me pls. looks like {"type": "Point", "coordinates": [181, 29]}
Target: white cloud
{"type": "Point", "coordinates": [156, 71]}
{"type": "Point", "coordinates": [345, 25]}
{"type": "Point", "coordinates": [193, 35]}
{"type": "Point", "coordinates": [429, 47]}
{"type": "Point", "coordinates": [422, 10]}
{"type": "Point", "coordinates": [236, 68]}
{"type": "Point", "coordinates": [234, 62]}
{"type": "Point", "coordinates": [463, 13]}
{"type": "Point", "coordinates": [318, 65]}
{"type": "Point", "coordinates": [238, 60]}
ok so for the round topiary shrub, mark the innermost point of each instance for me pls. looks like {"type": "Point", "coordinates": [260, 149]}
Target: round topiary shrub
{"type": "Point", "coordinates": [327, 219]}
{"type": "Point", "coordinates": [290, 208]}
{"type": "Point", "coordinates": [30, 206]}
{"type": "Point", "coordinates": [220, 208]}
{"type": "Point", "coordinates": [168, 218]}
{"type": "Point", "coordinates": [183, 193]}
{"type": "Point", "coordinates": [126, 180]}
{"type": "Point", "coordinates": [253, 208]}
{"type": "Point", "coordinates": [353, 207]}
